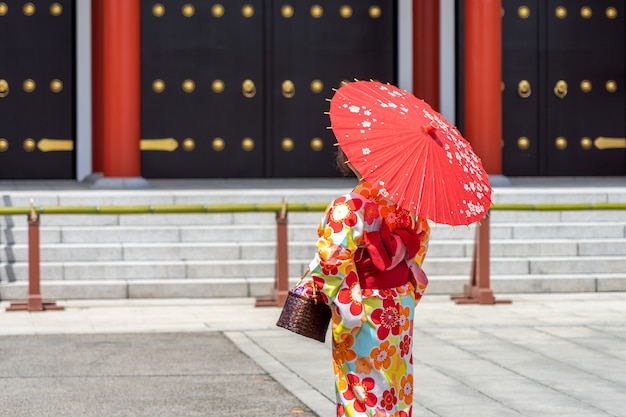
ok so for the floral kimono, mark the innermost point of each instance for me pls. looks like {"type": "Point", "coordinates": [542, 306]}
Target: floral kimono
{"type": "Point", "coordinates": [368, 267]}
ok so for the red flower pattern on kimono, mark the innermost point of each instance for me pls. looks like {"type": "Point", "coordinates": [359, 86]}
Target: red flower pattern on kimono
{"type": "Point", "coordinates": [389, 399]}
{"type": "Point", "coordinates": [405, 345]}
{"type": "Point", "coordinates": [404, 220]}
{"type": "Point", "coordinates": [387, 318]}
{"type": "Point", "coordinates": [370, 212]}
{"type": "Point", "coordinates": [349, 294]}
{"type": "Point", "coordinates": [343, 212]}
{"type": "Point", "coordinates": [388, 293]}
{"type": "Point", "coordinates": [330, 267]}
{"type": "Point", "coordinates": [361, 392]}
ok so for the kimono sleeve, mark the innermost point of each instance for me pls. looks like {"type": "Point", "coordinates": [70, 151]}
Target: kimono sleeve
{"type": "Point", "coordinates": [338, 232]}
{"type": "Point", "coordinates": [424, 236]}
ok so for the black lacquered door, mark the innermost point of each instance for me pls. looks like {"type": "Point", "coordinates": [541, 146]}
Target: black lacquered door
{"type": "Point", "coordinates": [318, 46]}
{"type": "Point", "coordinates": [564, 88]}
{"type": "Point", "coordinates": [586, 107]}
{"type": "Point", "coordinates": [203, 107]}
{"type": "Point", "coordinates": [37, 132]}
{"type": "Point", "coordinates": [239, 88]}
{"type": "Point", "coordinates": [522, 83]}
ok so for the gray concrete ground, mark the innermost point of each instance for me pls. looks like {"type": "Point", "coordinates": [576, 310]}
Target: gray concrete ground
{"type": "Point", "coordinates": [542, 355]}
{"type": "Point", "coordinates": [145, 374]}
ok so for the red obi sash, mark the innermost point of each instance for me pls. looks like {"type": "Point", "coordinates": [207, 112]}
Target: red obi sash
{"type": "Point", "coordinates": [373, 261]}
{"type": "Point", "coordinates": [372, 278]}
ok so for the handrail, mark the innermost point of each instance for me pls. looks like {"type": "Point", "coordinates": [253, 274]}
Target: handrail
{"type": "Point", "coordinates": [267, 207]}
{"type": "Point", "coordinates": [165, 209]}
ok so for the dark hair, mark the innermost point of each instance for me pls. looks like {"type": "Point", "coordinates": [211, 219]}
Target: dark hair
{"type": "Point", "coordinates": [340, 161]}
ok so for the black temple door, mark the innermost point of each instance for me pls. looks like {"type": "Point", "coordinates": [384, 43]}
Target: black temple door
{"type": "Point", "coordinates": [522, 84]}
{"type": "Point", "coordinates": [202, 89]}
{"type": "Point", "coordinates": [37, 132]}
{"type": "Point", "coordinates": [564, 88]}
{"type": "Point", "coordinates": [585, 88]}
{"type": "Point", "coordinates": [317, 46]}
{"type": "Point", "coordinates": [239, 88]}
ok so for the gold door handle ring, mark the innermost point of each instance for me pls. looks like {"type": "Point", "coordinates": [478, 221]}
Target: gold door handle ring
{"type": "Point", "coordinates": [288, 89]}
{"type": "Point", "coordinates": [523, 89]}
{"type": "Point", "coordinates": [4, 88]}
{"type": "Point", "coordinates": [248, 89]}
{"type": "Point", "coordinates": [560, 89]}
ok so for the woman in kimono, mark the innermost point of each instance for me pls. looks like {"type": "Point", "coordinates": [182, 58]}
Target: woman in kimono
{"type": "Point", "coordinates": [368, 268]}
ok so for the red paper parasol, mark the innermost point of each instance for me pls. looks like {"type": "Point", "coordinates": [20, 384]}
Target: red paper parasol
{"type": "Point", "coordinates": [411, 152]}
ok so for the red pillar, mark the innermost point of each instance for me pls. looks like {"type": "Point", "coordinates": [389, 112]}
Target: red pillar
{"type": "Point", "coordinates": [483, 78]}
{"type": "Point", "coordinates": [426, 77]}
{"type": "Point", "coordinates": [121, 91]}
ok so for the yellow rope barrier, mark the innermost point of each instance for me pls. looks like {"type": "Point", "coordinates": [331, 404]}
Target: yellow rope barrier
{"type": "Point", "coordinates": [267, 207]}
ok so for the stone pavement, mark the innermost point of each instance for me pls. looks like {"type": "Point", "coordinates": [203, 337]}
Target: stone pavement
{"type": "Point", "coordinates": [542, 355]}
{"type": "Point", "coordinates": [139, 374]}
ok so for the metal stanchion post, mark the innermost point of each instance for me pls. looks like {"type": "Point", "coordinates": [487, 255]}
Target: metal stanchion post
{"type": "Point", "coordinates": [478, 290]}
{"type": "Point", "coordinates": [281, 282]}
{"type": "Point", "coordinates": [34, 301]}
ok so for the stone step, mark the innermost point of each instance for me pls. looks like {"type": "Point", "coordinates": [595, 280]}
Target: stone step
{"type": "Point", "coordinates": [296, 232]}
{"type": "Point", "coordinates": [531, 248]}
{"type": "Point", "coordinates": [223, 191]}
{"type": "Point", "coordinates": [202, 219]}
{"type": "Point", "coordinates": [539, 194]}
{"type": "Point", "coordinates": [175, 196]}
{"type": "Point", "coordinates": [258, 268]}
{"type": "Point", "coordinates": [140, 251]}
{"type": "Point", "coordinates": [101, 252]}
{"type": "Point", "coordinates": [497, 216]}
{"type": "Point", "coordinates": [164, 234]}
{"type": "Point", "coordinates": [533, 283]}
{"type": "Point", "coordinates": [261, 287]}
{"type": "Point", "coordinates": [556, 216]}
{"type": "Point", "coordinates": [309, 218]}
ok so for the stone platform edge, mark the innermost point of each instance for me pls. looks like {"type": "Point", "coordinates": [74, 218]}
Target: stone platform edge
{"type": "Point", "coordinates": [262, 287]}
